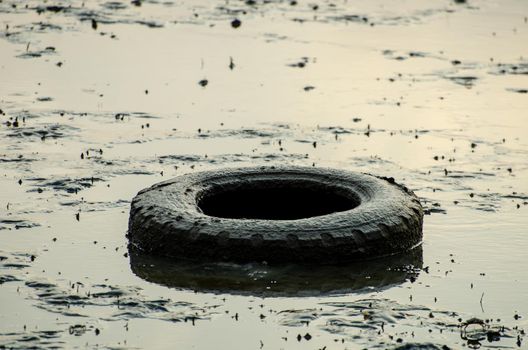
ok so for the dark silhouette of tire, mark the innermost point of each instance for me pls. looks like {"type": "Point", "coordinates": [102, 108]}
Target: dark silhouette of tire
{"type": "Point", "coordinates": [278, 280]}
{"type": "Point", "coordinates": [275, 214]}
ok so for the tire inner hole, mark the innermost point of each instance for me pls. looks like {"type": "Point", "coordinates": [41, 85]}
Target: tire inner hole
{"type": "Point", "coordinates": [275, 200]}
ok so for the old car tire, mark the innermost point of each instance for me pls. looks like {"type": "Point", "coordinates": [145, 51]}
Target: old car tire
{"type": "Point", "coordinates": [275, 214]}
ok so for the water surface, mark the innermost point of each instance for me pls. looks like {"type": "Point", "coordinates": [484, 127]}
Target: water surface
{"type": "Point", "coordinates": [101, 99]}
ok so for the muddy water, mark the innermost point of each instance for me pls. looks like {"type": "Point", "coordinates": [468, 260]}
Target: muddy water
{"type": "Point", "coordinates": [101, 99]}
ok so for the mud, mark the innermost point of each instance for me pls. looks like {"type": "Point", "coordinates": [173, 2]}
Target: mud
{"type": "Point", "coordinates": [429, 93]}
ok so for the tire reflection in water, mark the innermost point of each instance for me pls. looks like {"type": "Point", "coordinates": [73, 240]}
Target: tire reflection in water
{"type": "Point", "coordinates": [281, 280]}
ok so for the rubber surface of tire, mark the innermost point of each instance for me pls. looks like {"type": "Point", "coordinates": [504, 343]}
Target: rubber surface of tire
{"type": "Point", "coordinates": [165, 219]}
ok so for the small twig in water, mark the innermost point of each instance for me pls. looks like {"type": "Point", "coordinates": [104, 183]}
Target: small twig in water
{"type": "Point", "coordinates": [482, 297]}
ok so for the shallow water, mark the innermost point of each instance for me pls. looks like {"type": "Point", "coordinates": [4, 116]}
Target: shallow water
{"type": "Point", "coordinates": [430, 93]}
